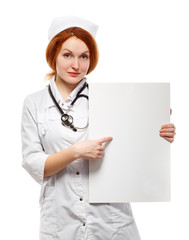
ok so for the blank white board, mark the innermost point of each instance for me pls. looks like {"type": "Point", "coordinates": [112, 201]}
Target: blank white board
{"type": "Point", "coordinates": [136, 163]}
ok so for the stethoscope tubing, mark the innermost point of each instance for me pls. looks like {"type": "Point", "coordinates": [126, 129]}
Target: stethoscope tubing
{"type": "Point", "coordinates": [67, 120]}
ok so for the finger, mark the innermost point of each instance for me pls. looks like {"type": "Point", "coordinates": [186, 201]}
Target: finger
{"type": "Point", "coordinates": [167, 130]}
{"type": "Point", "coordinates": [169, 139]}
{"type": "Point", "coordinates": [105, 139]}
{"type": "Point", "coordinates": [167, 134]}
{"type": "Point", "coordinates": [169, 125]}
{"type": "Point", "coordinates": [99, 156]}
{"type": "Point", "coordinates": [101, 148]}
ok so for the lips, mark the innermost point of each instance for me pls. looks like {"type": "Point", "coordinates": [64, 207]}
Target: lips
{"type": "Point", "coordinates": [73, 74]}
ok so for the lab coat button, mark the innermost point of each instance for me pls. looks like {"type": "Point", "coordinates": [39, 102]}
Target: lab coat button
{"type": "Point", "coordinates": [43, 131]}
{"type": "Point", "coordinates": [77, 173]}
{"type": "Point", "coordinates": [81, 199]}
{"type": "Point", "coordinates": [84, 224]}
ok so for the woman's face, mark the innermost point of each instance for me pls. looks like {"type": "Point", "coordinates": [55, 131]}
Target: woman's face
{"type": "Point", "coordinates": [72, 62]}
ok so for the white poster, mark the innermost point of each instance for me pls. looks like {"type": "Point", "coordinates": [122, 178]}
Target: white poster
{"type": "Point", "coordinates": [136, 163]}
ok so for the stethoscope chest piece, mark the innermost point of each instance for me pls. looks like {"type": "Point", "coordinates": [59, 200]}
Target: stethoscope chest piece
{"type": "Point", "coordinates": [67, 119]}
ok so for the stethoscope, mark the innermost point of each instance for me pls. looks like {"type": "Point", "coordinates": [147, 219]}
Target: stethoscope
{"type": "Point", "coordinates": [67, 120]}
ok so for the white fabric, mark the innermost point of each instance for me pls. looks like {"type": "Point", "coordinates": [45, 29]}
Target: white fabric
{"type": "Point", "coordinates": [65, 210]}
{"type": "Point", "coordinates": [61, 23]}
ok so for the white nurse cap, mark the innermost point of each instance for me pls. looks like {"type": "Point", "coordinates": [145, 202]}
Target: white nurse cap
{"type": "Point", "coordinates": [61, 23]}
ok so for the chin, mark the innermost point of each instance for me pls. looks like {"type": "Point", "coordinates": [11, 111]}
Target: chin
{"type": "Point", "coordinates": [70, 79]}
{"type": "Point", "coordinates": [75, 80]}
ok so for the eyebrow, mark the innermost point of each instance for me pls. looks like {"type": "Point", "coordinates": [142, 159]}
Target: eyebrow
{"type": "Point", "coordinates": [66, 49]}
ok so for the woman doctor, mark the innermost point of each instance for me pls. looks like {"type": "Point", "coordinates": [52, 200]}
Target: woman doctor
{"type": "Point", "coordinates": [55, 149]}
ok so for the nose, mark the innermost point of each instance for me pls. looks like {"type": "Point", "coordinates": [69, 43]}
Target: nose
{"type": "Point", "coordinates": [75, 64]}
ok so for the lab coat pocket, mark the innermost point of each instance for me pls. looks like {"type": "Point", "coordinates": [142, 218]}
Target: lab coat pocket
{"type": "Point", "coordinates": [121, 215]}
{"type": "Point", "coordinates": [48, 212]}
{"type": "Point", "coordinates": [59, 134]}
{"type": "Point", "coordinates": [45, 128]}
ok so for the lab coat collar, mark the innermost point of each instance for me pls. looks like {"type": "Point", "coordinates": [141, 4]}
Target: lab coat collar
{"type": "Point", "coordinates": [58, 96]}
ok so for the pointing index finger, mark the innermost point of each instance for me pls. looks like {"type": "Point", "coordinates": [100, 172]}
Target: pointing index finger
{"type": "Point", "coordinates": [105, 139]}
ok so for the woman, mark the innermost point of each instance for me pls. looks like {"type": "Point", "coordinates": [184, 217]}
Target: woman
{"type": "Point", "coordinates": [55, 149]}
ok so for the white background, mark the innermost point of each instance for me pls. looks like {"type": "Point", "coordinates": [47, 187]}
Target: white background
{"type": "Point", "coordinates": [138, 41]}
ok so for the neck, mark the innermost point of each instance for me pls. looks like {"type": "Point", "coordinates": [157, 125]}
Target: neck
{"type": "Point", "coordinates": [64, 88]}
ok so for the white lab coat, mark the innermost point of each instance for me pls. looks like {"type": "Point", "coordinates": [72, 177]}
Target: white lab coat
{"type": "Point", "coordinates": [65, 210]}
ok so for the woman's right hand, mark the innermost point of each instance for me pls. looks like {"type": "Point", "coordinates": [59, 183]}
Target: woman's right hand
{"type": "Point", "coordinates": [90, 149]}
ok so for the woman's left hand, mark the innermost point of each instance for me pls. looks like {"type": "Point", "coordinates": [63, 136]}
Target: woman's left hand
{"type": "Point", "coordinates": [167, 131]}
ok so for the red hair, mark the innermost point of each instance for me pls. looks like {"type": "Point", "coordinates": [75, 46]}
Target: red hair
{"type": "Point", "coordinates": [55, 45]}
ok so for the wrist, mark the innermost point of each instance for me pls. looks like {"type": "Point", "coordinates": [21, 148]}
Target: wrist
{"type": "Point", "coordinates": [75, 151]}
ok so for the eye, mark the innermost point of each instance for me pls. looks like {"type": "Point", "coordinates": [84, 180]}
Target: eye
{"type": "Point", "coordinates": [67, 55]}
{"type": "Point", "coordinates": [84, 56]}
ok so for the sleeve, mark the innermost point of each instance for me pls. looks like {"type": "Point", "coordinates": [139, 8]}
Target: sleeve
{"type": "Point", "coordinates": [33, 153]}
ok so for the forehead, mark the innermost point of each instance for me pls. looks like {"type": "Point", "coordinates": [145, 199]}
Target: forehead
{"type": "Point", "coordinates": [74, 44]}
